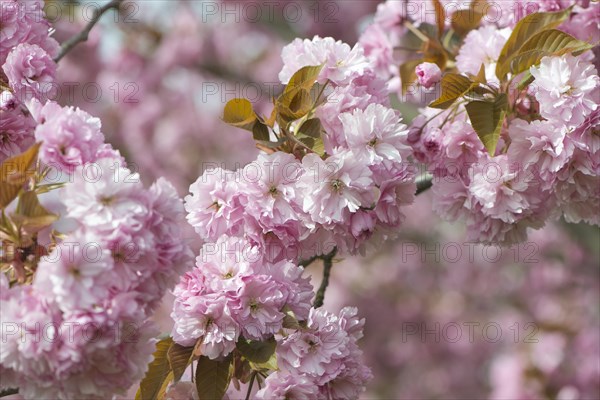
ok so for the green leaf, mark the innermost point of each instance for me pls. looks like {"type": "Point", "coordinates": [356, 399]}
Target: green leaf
{"type": "Point", "coordinates": [14, 172]}
{"type": "Point", "coordinates": [551, 42]}
{"type": "Point", "coordinates": [159, 372]}
{"type": "Point", "coordinates": [487, 119]}
{"type": "Point", "coordinates": [525, 29]}
{"type": "Point", "coordinates": [180, 357]}
{"type": "Point", "coordinates": [213, 377]}
{"type": "Point", "coordinates": [255, 351]}
{"type": "Point", "coordinates": [311, 127]}
{"type": "Point", "coordinates": [239, 113]}
{"type": "Point", "coordinates": [453, 86]}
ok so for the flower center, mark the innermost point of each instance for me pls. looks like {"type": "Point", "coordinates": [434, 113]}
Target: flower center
{"type": "Point", "coordinates": [337, 185]}
{"type": "Point", "coordinates": [106, 200]}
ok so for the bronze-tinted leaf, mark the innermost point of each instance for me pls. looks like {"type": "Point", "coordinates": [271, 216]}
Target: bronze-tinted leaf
{"type": "Point", "coordinates": [487, 119]}
{"type": "Point", "coordinates": [180, 358]}
{"type": "Point", "coordinates": [239, 113]}
{"type": "Point", "coordinates": [260, 131]}
{"type": "Point", "coordinates": [523, 31]}
{"type": "Point", "coordinates": [440, 17]}
{"type": "Point", "coordinates": [14, 172]}
{"type": "Point", "coordinates": [407, 73]}
{"type": "Point", "coordinates": [213, 377]}
{"type": "Point", "coordinates": [311, 127]}
{"type": "Point", "coordinates": [159, 371]}
{"type": "Point", "coordinates": [453, 86]}
{"type": "Point", "coordinates": [304, 78]}
{"type": "Point", "coordinates": [545, 43]}
{"type": "Point", "coordinates": [257, 351]}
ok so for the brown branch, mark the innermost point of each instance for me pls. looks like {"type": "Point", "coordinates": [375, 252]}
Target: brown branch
{"type": "Point", "coordinates": [82, 36]}
{"type": "Point", "coordinates": [327, 264]}
{"type": "Point", "coordinates": [423, 184]}
{"type": "Point", "coordinates": [8, 392]}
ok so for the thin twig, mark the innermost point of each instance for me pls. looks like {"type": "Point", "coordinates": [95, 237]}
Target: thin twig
{"type": "Point", "coordinates": [250, 387]}
{"type": "Point", "coordinates": [82, 36]}
{"type": "Point", "coordinates": [8, 392]}
{"type": "Point", "coordinates": [423, 184]}
{"type": "Point", "coordinates": [327, 264]}
{"type": "Point", "coordinates": [308, 261]}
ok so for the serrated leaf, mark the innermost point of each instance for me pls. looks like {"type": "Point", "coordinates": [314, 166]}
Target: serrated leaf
{"type": "Point", "coordinates": [311, 127]}
{"type": "Point", "coordinates": [14, 172]}
{"type": "Point", "coordinates": [453, 86]}
{"type": "Point", "coordinates": [487, 119]}
{"type": "Point", "coordinates": [180, 357]}
{"type": "Point", "coordinates": [257, 351]}
{"type": "Point", "coordinates": [407, 73]}
{"type": "Point", "coordinates": [239, 113]}
{"type": "Point", "coordinates": [551, 42]}
{"type": "Point", "coordinates": [212, 377]}
{"type": "Point", "coordinates": [440, 17]}
{"type": "Point", "coordinates": [525, 29]}
{"type": "Point", "coordinates": [159, 370]}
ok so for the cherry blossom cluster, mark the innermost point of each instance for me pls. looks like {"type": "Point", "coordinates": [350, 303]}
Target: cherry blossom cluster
{"type": "Point", "coordinates": [258, 222]}
{"type": "Point", "coordinates": [322, 361]}
{"type": "Point", "coordinates": [547, 160]}
{"type": "Point", "coordinates": [297, 208]}
{"type": "Point", "coordinates": [80, 326]}
{"type": "Point", "coordinates": [27, 68]}
{"type": "Point", "coordinates": [235, 291]}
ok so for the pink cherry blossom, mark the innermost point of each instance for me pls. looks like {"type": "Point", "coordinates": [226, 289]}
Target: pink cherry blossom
{"type": "Point", "coordinates": [70, 137]}
{"type": "Point", "coordinates": [428, 74]}
{"type": "Point", "coordinates": [30, 72]}
{"type": "Point", "coordinates": [567, 89]}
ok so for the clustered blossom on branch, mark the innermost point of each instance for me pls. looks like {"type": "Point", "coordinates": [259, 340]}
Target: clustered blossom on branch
{"type": "Point", "coordinates": [297, 200]}
{"type": "Point", "coordinates": [26, 51]}
{"type": "Point", "coordinates": [545, 160]}
{"type": "Point", "coordinates": [76, 289]}
{"type": "Point", "coordinates": [291, 206]}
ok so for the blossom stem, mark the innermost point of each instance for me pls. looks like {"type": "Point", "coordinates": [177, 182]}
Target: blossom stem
{"type": "Point", "coordinates": [82, 36]}
{"type": "Point", "coordinates": [252, 378]}
{"type": "Point", "coordinates": [327, 264]}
